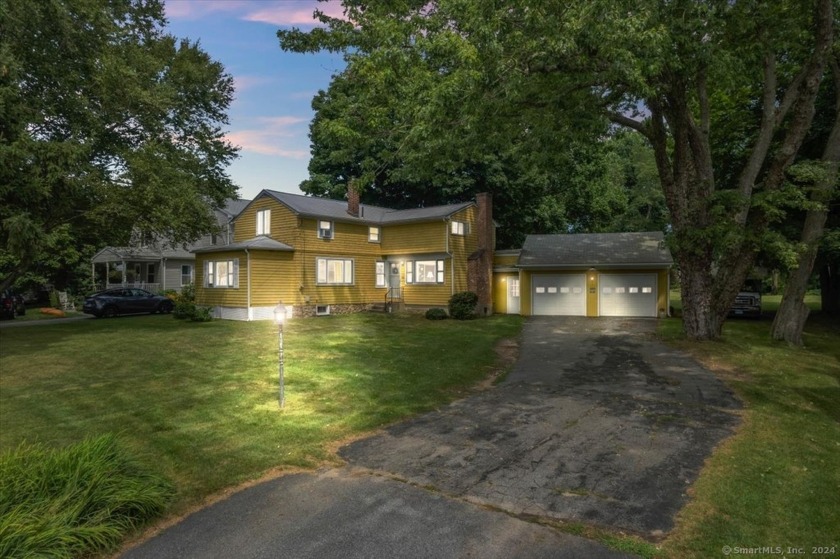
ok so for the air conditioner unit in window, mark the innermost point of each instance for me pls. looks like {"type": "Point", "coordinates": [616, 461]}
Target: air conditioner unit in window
{"type": "Point", "coordinates": [326, 233]}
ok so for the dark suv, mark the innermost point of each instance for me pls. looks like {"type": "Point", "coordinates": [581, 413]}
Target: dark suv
{"type": "Point", "coordinates": [11, 305]}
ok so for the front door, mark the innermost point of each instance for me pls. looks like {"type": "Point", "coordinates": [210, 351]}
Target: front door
{"type": "Point", "coordinates": [513, 295]}
{"type": "Point", "coordinates": [394, 279]}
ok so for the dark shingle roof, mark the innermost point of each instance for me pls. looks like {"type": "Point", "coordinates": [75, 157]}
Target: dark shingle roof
{"type": "Point", "coordinates": [311, 206]}
{"type": "Point", "coordinates": [595, 249]}
{"type": "Point", "coordinates": [257, 243]}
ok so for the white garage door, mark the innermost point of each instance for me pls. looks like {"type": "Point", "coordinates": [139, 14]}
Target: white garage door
{"type": "Point", "coordinates": [627, 295]}
{"type": "Point", "coordinates": [560, 295]}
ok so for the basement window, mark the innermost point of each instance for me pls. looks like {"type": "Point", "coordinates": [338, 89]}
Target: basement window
{"type": "Point", "coordinates": [322, 310]}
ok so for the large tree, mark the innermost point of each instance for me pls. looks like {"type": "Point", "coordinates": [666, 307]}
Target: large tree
{"type": "Point", "coordinates": [723, 90]}
{"type": "Point", "coordinates": [107, 124]}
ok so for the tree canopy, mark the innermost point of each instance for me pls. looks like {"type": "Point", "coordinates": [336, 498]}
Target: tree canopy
{"type": "Point", "coordinates": [724, 93]}
{"type": "Point", "coordinates": [107, 123]}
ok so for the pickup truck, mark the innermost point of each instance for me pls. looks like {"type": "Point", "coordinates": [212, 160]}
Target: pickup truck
{"type": "Point", "coordinates": [748, 301]}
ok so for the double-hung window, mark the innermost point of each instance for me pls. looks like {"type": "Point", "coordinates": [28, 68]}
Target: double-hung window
{"type": "Point", "coordinates": [459, 228]}
{"type": "Point", "coordinates": [424, 271]}
{"type": "Point", "coordinates": [325, 229]}
{"type": "Point", "coordinates": [186, 274]}
{"type": "Point", "coordinates": [373, 234]}
{"type": "Point", "coordinates": [221, 273]}
{"type": "Point", "coordinates": [334, 271]}
{"type": "Point", "coordinates": [264, 222]}
{"type": "Point", "coordinates": [380, 274]}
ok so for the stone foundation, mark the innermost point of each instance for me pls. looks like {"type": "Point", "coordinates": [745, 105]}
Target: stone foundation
{"type": "Point", "coordinates": [302, 311]}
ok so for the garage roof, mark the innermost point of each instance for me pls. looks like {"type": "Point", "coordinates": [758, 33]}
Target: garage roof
{"type": "Point", "coordinates": [642, 250]}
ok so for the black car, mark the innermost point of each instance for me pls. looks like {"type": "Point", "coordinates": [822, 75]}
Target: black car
{"type": "Point", "coordinates": [125, 300]}
{"type": "Point", "coordinates": [11, 305]}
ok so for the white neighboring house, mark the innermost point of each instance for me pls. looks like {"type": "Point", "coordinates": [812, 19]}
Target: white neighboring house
{"type": "Point", "coordinates": [160, 266]}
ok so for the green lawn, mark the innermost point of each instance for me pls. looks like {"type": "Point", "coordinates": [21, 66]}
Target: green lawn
{"type": "Point", "coordinates": [777, 481]}
{"type": "Point", "coordinates": [199, 401]}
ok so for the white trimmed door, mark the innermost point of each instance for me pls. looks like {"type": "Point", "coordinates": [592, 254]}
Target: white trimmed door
{"type": "Point", "coordinates": [513, 295]}
{"type": "Point", "coordinates": [627, 295]}
{"type": "Point", "coordinates": [559, 295]}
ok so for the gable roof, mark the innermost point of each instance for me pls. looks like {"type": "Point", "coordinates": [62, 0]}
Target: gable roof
{"type": "Point", "coordinates": [336, 210]}
{"type": "Point", "coordinates": [595, 249]}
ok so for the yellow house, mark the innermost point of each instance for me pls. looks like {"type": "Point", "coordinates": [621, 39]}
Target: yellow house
{"type": "Point", "coordinates": [321, 256]}
{"type": "Point", "coordinates": [602, 274]}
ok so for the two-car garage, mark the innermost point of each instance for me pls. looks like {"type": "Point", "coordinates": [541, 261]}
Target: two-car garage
{"type": "Point", "coordinates": [604, 274]}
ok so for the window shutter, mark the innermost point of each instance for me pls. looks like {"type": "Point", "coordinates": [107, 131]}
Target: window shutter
{"type": "Point", "coordinates": [267, 226]}
{"type": "Point", "coordinates": [409, 272]}
{"type": "Point", "coordinates": [208, 274]}
{"type": "Point", "coordinates": [440, 271]}
{"type": "Point", "coordinates": [235, 272]}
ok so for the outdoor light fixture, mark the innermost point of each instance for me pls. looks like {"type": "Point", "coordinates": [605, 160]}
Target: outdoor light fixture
{"type": "Point", "coordinates": [280, 318]}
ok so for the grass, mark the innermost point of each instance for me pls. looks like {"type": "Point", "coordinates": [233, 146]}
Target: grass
{"type": "Point", "coordinates": [71, 502]}
{"type": "Point", "coordinates": [202, 398]}
{"type": "Point", "coordinates": [777, 481]}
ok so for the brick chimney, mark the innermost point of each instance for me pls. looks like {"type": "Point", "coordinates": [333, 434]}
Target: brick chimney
{"type": "Point", "coordinates": [480, 263]}
{"type": "Point", "coordinates": [353, 199]}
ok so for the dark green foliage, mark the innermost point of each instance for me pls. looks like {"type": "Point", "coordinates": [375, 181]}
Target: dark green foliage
{"type": "Point", "coordinates": [75, 501]}
{"type": "Point", "coordinates": [107, 124]}
{"type": "Point", "coordinates": [188, 310]}
{"type": "Point", "coordinates": [436, 314]}
{"type": "Point", "coordinates": [462, 305]}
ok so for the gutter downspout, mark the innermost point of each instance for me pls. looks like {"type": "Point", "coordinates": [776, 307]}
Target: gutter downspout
{"type": "Point", "coordinates": [446, 222]}
{"type": "Point", "coordinates": [163, 274]}
{"type": "Point", "coordinates": [248, 285]}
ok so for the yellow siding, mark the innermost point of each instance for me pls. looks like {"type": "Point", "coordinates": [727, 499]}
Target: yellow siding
{"type": "Point", "coordinates": [221, 296]}
{"type": "Point", "coordinates": [412, 238]}
{"type": "Point", "coordinates": [505, 259]}
{"type": "Point", "coordinates": [591, 293]}
{"type": "Point", "coordinates": [272, 278]}
{"type": "Point", "coordinates": [284, 223]}
{"type": "Point", "coordinates": [461, 246]}
{"type": "Point", "coordinates": [500, 290]}
{"type": "Point", "coordinates": [525, 292]}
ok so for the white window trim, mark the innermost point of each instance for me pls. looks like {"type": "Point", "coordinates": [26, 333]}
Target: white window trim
{"type": "Point", "coordinates": [321, 230]}
{"type": "Point", "coordinates": [211, 269]}
{"type": "Point", "coordinates": [411, 272]}
{"type": "Point", "coordinates": [263, 222]}
{"type": "Point", "coordinates": [371, 238]}
{"type": "Point", "coordinates": [327, 260]}
{"type": "Point", "coordinates": [383, 274]}
{"type": "Point", "coordinates": [460, 228]}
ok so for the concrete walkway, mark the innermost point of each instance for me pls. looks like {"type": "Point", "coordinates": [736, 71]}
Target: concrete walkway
{"type": "Point", "coordinates": [597, 423]}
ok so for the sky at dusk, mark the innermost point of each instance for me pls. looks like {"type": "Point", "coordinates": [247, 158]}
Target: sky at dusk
{"type": "Point", "coordinates": [270, 116]}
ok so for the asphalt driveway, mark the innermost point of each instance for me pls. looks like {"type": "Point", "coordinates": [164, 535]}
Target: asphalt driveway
{"type": "Point", "coordinates": [598, 422]}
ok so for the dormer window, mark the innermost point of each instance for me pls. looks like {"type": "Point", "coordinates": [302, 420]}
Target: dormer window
{"type": "Point", "coordinates": [459, 228]}
{"type": "Point", "coordinates": [325, 229]}
{"type": "Point", "coordinates": [264, 222]}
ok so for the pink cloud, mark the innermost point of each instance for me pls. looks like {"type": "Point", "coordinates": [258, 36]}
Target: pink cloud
{"type": "Point", "coordinates": [289, 13]}
{"type": "Point", "coordinates": [275, 12]}
{"type": "Point", "coordinates": [269, 139]}
{"type": "Point", "coordinates": [244, 83]}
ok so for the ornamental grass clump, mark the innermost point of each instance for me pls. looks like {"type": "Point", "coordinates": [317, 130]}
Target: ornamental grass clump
{"type": "Point", "coordinates": [74, 501]}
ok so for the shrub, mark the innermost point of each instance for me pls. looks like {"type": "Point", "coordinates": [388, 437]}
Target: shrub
{"type": "Point", "coordinates": [462, 305]}
{"type": "Point", "coordinates": [171, 294]}
{"type": "Point", "coordinates": [183, 310]}
{"type": "Point", "coordinates": [187, 310]}
{"type": "Point", "coordinates": [188, 293]}
{"type": "Point", "coordinates": [74, 501]}
{"type": "Point", "coordinates": [436, 314]}
{"type": "Point", "coordinates": [54, 303]}
{"type": "Point", "coordinates": [201, 314]}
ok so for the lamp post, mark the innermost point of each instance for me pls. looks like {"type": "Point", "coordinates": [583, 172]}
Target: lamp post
{"type": "Point", "coordinates": [280, 318]}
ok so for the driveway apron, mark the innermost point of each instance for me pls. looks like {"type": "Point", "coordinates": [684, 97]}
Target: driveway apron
{"type": "Point", "coordinates": [598, 422]}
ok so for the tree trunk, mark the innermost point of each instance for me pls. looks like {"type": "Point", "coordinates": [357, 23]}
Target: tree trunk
{"type": "Point", "coordinates": [699, 318]}
{"type": "Point", "coordinates": [790, 320]}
